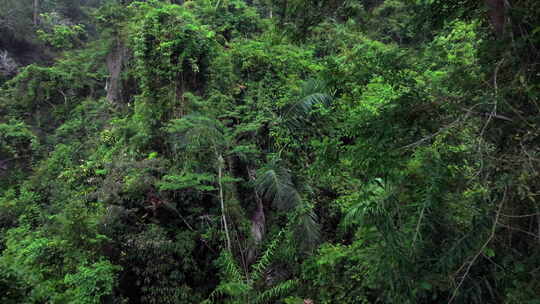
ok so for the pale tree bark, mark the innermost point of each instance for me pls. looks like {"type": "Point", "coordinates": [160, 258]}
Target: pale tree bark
{"type": "Point", "coordinates": [270, 6]}
{"type": "Point", "coordinates": [35, 8]}
{"type": "Point", "coordinates": [497, 15]}
{"type": "Point", "coordinates": [222, 201]}
{"type": "Point", "coordinates": [258, 223]}
{"type": "Point", "coordinates": [115, 63]}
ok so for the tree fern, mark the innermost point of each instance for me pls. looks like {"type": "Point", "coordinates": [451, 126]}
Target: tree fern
{"type": "Point", "coordinates": [274, 183]}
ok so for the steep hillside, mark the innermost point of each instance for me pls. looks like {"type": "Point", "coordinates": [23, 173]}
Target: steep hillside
{"type": "Point", "coordinates": [277, 151]}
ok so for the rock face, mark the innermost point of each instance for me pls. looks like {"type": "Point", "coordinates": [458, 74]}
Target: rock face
{"type": "Point", "coordinates": [115, 63]}
{"type": "Point", "coordinates": [8, 66]}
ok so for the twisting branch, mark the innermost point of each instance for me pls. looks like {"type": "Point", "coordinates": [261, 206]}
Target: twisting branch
{"type": "Point", "coordinates": [520, 216]}
{"type": "Point", "coordinates": [520, 230]}
{"type": "Point", "coordinates": [468, 265]}
{"type": "Point", "coordinates": [496, 86]}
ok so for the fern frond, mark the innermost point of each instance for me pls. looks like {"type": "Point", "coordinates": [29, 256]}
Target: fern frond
{"type": "Point", "coordinates": [260, 267]}
{"type": "Point", "coordinates": [278, 291]}
{"type": "Point", "coordinates": [233, 283]}
{"type": "Point", "coordinates": [232, 270]}
{"type": "Point", "coordinates": [231, 289]}
{"type": "Point", "coordinates": [371, 203]}
{"type": "Point", "coordinates": [187, 180]}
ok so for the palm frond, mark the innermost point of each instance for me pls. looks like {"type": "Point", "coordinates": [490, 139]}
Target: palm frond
{"type": "Point", "coordinates": [195, 131]}
{"type": "Point", "coordinates": [308, 230]}
{"type": "Point", "coordinates": [312, 94]}
{"type": "Point", "coordinates": [275, 185]}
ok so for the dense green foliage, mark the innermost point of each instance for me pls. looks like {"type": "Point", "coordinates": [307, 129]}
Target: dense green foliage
{"type": "Point", "coordinates": [277, 151]}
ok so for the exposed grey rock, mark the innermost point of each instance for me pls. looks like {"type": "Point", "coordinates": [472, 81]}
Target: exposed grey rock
{"type": "Point", "coordinates": [8, 66]}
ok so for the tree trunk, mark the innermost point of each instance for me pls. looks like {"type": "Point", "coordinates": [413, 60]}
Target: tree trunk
{"type": "Point", "coordinates": [497, 15]}
{"type": "Point", "coordinates": [284, 9]}
{"type": "Point", "coordinates": [179, 89]}
{"type": "Point", "coordinates": [258, 221]}
{"type": "Point", "coordinates": [115, 63]}
{"type": "Point", "coordinates": [258, 224]}
{"type": "Point", "coordinates": [35, 8]}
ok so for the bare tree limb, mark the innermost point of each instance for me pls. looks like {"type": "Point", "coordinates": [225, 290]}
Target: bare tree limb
{"type": "Point", "coordinates": [468, 265]}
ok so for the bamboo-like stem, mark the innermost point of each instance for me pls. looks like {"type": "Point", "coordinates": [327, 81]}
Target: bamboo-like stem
{"type": "Point", "coordinates": [222, 201]}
